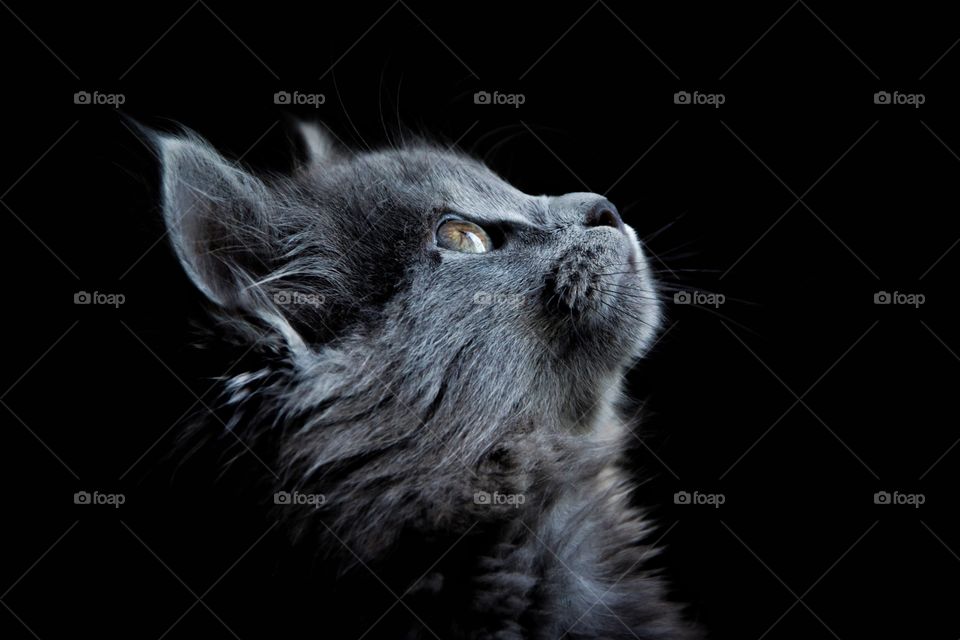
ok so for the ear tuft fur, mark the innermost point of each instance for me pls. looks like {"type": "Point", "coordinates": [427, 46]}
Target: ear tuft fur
{"type": "Point", "coordinates": [318, 142]}
{"type": "Point", "coordinates": [216, 214]}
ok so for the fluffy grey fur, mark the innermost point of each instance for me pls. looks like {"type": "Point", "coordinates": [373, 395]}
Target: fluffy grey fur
{"type": "Point", "coordinates": [407, 383]}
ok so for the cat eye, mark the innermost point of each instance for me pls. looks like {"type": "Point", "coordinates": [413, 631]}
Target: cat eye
{"type": "Point", "coordinates": [463, 236]}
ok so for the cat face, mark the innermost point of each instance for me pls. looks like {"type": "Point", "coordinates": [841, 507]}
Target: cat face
{"type": "Point", "coordinates": [412, 236]}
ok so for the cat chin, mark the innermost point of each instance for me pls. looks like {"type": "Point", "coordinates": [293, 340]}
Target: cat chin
{"type": "Point", "coordinates": [645, 332]}
{"type": "Point", "coordinates": [636, 257]}
{"type": "Point", "coordinates": [647, 336]}
{"type": "Point", "coordinates": [635, 297]}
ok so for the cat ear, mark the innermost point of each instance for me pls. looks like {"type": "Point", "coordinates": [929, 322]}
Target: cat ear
{"type": "Point", "coordinates": [217, 218]}
{"type": "Point", "coordinates": [318, 143]}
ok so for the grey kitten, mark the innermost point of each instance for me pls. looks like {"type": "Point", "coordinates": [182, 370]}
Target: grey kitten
{"type": "Point", "coordinates": [439, 366]}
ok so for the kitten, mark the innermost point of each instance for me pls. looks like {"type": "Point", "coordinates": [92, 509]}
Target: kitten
{"type": "Point", "coordinates": [433, 363]}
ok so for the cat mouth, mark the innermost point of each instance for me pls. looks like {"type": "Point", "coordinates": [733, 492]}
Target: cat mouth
{"type": "Point", "coordinates": [591, 281]}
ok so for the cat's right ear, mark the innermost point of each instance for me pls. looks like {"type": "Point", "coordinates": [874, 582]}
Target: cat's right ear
{"type": "Point", "coordinates": [319, 146]}
{"type": "Point", "coordinates": [217, 216]}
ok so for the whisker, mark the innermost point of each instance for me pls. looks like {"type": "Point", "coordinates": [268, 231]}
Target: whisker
{"type": "Point", "coordinates": [653, 236]}
{"type": "Point", "coordinates": [624, 312]}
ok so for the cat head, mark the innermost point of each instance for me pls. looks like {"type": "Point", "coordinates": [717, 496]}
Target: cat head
{"type": "Point", "coordinates": [420, 303]}
{"type": "Point", "coordinates": [416, 235]}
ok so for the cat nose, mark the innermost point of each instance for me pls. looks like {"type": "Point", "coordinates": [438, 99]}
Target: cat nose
{"type": "Point", "coordinates": [604, 214]}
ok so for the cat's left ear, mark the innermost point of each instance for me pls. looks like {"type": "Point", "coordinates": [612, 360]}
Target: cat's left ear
{"type": "Point", "coordinates": [220, 220]}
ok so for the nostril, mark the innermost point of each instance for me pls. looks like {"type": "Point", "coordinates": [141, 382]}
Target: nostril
{"type": "Point", "coordinates": [606, 218]}
{"type": "Point", "coordinates": [604, 214]}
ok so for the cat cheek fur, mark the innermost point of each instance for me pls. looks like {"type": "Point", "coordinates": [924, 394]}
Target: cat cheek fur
{"type": "Point", "coordinates": [405, 383]}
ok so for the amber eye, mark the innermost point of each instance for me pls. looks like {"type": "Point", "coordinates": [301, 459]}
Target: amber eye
{"type": "Point", "coordinates": [463, 236]}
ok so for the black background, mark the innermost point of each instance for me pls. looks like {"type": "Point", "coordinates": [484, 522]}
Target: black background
{"type": "Point", "coordinates": [715, 190]}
